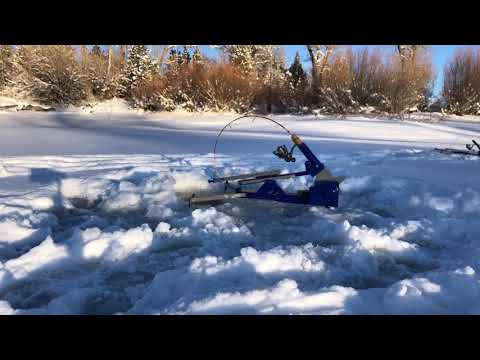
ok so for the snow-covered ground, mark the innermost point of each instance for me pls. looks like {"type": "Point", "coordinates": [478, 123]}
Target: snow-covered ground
{"type": "Point", "coordinates": [92, 218]}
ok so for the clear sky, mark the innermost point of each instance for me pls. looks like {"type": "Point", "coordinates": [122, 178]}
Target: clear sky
{"type": "Point", "coordinates": [440, 53]}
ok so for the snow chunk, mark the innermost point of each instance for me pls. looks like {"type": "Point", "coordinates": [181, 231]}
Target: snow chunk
{"type": "Point", "coordinates": [90, 189]}
{"type": "Point", "coordinates": [454, 292]}
{"type": "Point", "coordinates": [284, 298]}
{"type": "Point", "coordinates": [3, 171]}
{"type": "Point", "coordinates": [271, 261]}
{"type": "Point", "coordinates": [216, 222]}
{"type": "Point", "coordinates": [92, 243]}
{"type": "Point", "coordinates": [42, 203]}
{"type": "Point", "coordinates": [188, 182]}
{"type": "Point", "coordinates": [11, 231]}
{"type": "Point", "coordinates": [123, 201]}
{"type": "Point", "coordinates": [167, 238]}
{"type": "Point", "coordinates": [45, 256]}
{"type": "Point", "coordinates": [299, 259]}
{"type": "Point", "coordinates": [261, 301]}
{"type": "Point", "coordinates": [356, 184]}
{"type": "Point", "coordinates": [5, 308]}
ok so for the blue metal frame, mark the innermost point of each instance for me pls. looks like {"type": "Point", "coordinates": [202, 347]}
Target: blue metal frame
{"type": "Point", "coordinates": [321, 193]}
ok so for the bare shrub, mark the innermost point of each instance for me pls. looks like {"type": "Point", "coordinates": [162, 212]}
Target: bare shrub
{"type": "Point", "coordinates": [150, 95]}
{"type": "Point", "coordinates": [207, 86]}
{"type": "Point", "coordinates": [350, 81]}
{"type": "Point", "coordinates": [226, 89]}
{"type": "Point", "coordinates": [50, 74]}
{"type": "Point", "coordinates": [461, 83]}
{"type": "Point", "coordinates": [335, 95]}
{"type": "Point", "coordinates": [404, 88]}
{"type": "Point", "coordinates": [5, 65]}
{"type": "Point", "coordinates": [367, 77]}
{"type": "Point", "coordinates": [102, 71]}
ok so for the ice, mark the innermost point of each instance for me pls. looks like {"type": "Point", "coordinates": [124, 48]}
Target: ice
{"type": "Point", "coordinates": [93, 217]}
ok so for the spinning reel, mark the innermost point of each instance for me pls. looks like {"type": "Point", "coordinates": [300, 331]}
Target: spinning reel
{"type": "Point", "coordinates": [283, 153]}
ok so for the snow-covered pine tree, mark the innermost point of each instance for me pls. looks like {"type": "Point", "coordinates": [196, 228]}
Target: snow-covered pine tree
{"type": "Point", "coordinates": [263, 65]}
{"type": "Point", "coordinates": [296, 85]}
{"type": "Point", "coordinates": [270, 73]}
{"type": "Point", "coordinates": [240, 56]}
{"type": "Point", "coordinates": [296, 71]}
{"type": "Point", "coordinates": [5, 64]}
{"type": "Point", "coordinates": [139, 67]}
{"type": "Point", "coordinates": [172, 61]}
{"type": "Point", "coordinates": [197, 57]}
{"type": "Point", "coordinates": [261, 61]}
{"type": "Point", "coordinates": [184, 57]}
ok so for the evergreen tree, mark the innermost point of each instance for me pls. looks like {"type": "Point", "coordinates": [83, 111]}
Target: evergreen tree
{"type": "Point", "coordinates": [138, 68]}
{"type": "Point", "coordinates": [5, 64]}
{"type": "Point", "coordinates": [197, 55]}
{"type": "Point", "coordinates": [184, 58]}
{"type": "Point", "coordinates": [264, 61]}
{"type": "Point", "coordinates": [240, 56]}
{"type": "Point", "coordinates": [298, 75]}
{"type": "Point", "coordinates": [172, 57]}
{"type": "Point", "coordinates": [96, 50]}
{"type": "Point", "coordinates": [172, 61]}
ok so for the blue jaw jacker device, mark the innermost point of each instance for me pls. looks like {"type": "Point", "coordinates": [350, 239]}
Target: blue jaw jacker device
{"type": "Point", "coordinates": [324, 191]}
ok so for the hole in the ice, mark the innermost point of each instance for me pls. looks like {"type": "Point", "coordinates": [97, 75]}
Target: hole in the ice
{"type": "Point", "coordinates": [107, 303]}
{"type": "Point", "coordinates": [83, 203]}
{"type": "Point", "coordinates": [87, 214]}
{"type": "Point", "coordinates": [29, 295]}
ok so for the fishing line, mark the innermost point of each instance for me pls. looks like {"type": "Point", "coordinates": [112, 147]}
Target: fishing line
{"type": "Point", "coordinates": [240, 118]}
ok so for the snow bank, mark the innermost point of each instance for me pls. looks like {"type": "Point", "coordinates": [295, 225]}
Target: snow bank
{"type": "Point", "coordinates": [8, 103]}
{"type": "Point", "coordinates": [114, 105]}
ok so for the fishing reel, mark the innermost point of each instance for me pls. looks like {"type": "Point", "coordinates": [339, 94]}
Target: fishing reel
{"type": "Point", "coordinates": [283, 153]}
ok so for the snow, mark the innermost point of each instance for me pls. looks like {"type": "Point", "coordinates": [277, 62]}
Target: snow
{"type": "Point", "coordinates": [13, 104]}
{"type": "Point", "coordinates": [93, 217]}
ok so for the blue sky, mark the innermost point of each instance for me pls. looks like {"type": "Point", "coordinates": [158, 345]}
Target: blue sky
{"type": "Point", "coordinates": [440, 54]}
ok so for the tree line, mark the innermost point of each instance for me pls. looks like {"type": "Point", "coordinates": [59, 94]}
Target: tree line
{"type": "Point", "coordinates": [244, 78]}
